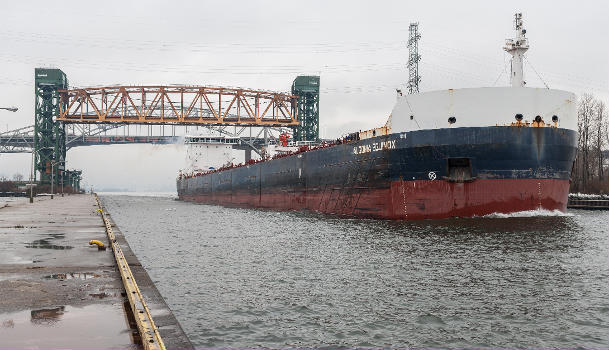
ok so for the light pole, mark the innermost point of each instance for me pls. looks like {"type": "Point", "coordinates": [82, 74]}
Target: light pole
{"type": "Point", "coordinates": [53, 176]}
{"type": "Point", "coordinates": [32, 179]}
{"type": "Point", "coordinates": [62, 171]}
{"type": "Point", "coordinates": [32, 174]}
{"type": "Point", "coordinates": [53, 163]}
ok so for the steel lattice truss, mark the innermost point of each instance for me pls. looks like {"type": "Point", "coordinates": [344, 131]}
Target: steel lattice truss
{"type": "Point", "coordinates": [21, 140]}
{"type": "Point", "coordinates": [17, 141]}
{"type": "Point", "coordinates": [184, 105]}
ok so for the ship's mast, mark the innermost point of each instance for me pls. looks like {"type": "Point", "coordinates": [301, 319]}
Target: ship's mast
{"type": "Point", "coordinates": [517, 47]}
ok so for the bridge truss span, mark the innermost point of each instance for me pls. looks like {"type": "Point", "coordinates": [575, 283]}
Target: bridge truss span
{"type": "Point", "coordinates": [178, 105]}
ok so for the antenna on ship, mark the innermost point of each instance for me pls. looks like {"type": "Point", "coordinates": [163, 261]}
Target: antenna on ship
{"type": "Point", "coordinates": [413, 58]}
{"type": "Point", "coordinates": [517, 47]}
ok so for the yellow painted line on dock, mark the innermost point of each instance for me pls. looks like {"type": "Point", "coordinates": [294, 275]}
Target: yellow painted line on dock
{"type": "Point", "coordinates": [151, 339]}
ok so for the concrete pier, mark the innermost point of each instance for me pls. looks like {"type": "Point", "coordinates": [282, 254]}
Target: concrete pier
{"type": "Point", "coordinates": [60, 292]}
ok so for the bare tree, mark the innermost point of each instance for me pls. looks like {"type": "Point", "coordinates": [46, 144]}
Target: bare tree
{"type": "Point", "coordinates": [17, 177]}
{"type": "Point", "coordinates": [593, 139]}
{"type": "Point", "coordinates": [584, 116]}
{"type": "Point", "coordinates": [599, 137]}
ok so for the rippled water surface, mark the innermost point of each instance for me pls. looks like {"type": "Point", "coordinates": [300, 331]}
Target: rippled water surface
{"type": "Point", "coordinates": [243, 278]}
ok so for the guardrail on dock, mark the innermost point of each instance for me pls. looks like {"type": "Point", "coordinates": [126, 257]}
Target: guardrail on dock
{"type": "Point", "coordinates": [151, 339]}
{"type": "Point", "coordinates": [592, 204]}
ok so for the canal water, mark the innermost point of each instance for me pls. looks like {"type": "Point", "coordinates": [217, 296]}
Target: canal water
{"type": "Point", "coordinates": [244, 278]}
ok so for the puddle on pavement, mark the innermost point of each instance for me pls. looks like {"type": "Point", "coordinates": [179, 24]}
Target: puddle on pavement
{"type": "Point", "coordinates": [47, 316]}
{"type": "Point", "coordinates": [101, 295]}
{"type": "Point", "coordinates": [46, 244]}
{"type": "Point", "coordinates": [73, 276]}
{"type": "Point", "coordinates": [10, 276]}
{"type": "Point", "coordinates": [130, 318]}
{"type": "Point", "coordinates": [12, 259]}
{"type": "Point", "coordinates": [67, 327]}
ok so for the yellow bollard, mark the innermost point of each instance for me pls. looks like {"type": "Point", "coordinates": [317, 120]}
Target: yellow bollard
{"type": "Point", "coordinates": [100, 244]}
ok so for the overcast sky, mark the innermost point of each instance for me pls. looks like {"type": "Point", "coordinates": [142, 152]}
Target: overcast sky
{"type": "Point", "coordinates": [357, 47]}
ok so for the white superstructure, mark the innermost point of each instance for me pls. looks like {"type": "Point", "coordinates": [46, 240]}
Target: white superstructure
{"type": "Point", "coordinates": [204, 153]}
{"type": "Point", "coordinates": [479, 107]}
{"type": "Point", "coordinates": [489, 106]}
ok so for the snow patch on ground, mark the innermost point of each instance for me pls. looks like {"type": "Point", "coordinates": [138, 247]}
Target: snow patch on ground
{"type": "Point", "coordinates": [587, 196]}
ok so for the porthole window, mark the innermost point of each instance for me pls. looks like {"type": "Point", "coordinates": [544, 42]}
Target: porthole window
{"type": "Point", "coordinates": [519, 117]}
{"type": "Point", "coordinates": [411, 117]}
{"type": "Point", "coordinates": [538, 119]}
{"type": "Point", "coordinates": [452, 120]}
{"type": "Point", "coordinates": [555, 118]}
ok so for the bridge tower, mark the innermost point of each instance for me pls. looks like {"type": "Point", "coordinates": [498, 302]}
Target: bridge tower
{"type": "Point", "coordinates": [307, 90]}
{"type": "Point", "coordinates": [49, 134]}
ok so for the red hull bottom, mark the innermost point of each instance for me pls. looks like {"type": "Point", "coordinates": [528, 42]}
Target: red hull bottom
{"type": "Point", "coordinates": [409, 200]}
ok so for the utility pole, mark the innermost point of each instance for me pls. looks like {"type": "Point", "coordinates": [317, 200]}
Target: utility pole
{"type": "Point", "coordinates": [32, 179]}
{"type": "Point", "coordinates": [413, 58]}
{"type": "Point", "coordinates": [52, 176]}
{"type": "Point", "coordinates": [33, 174]}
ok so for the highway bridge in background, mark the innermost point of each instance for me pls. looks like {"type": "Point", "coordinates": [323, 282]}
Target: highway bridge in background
{"type": "Point", "coordinates": [22, 140]}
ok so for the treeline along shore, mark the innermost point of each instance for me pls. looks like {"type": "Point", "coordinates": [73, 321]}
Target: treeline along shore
{"type": "Point", "coordinates": [591, 168]}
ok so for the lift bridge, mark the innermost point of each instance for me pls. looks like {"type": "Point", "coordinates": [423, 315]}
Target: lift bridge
{"type": "Point", "coordinates": [66, 118]}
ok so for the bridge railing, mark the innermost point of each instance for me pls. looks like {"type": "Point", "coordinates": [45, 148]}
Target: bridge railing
{"type": "Point", "coordinates": [178, 105]}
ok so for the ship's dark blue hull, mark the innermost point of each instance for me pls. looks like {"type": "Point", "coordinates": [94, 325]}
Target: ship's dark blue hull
{"type": "Point", "coordinates": [413, 175]}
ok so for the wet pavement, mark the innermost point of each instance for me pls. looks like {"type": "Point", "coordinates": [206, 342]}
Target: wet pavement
{"type": "Point", "coordinates": [58, 291]}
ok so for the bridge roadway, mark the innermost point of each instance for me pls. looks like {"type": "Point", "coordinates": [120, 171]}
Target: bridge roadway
{"type": "Point", "coordinates": [58, 292]}
{"type": "Point", "coordinates": [23, 143]}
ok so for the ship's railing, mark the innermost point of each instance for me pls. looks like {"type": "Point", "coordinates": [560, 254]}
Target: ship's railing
{"type": "Point", "coordinates": [537, 122]}
{"type": "Point", "coordinates": [366, 134]}
{"type": "Point", "coordinates": [301, 149]}
{"type": "Point", "coordinates": [599, 204]}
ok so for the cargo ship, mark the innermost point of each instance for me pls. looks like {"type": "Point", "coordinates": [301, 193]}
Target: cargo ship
{"type": "Point", "coordinates": [448, 153]}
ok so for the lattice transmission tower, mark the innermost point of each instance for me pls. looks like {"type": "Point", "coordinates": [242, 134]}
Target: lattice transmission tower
{"type": "Point", "coordinates": [413, 58]}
